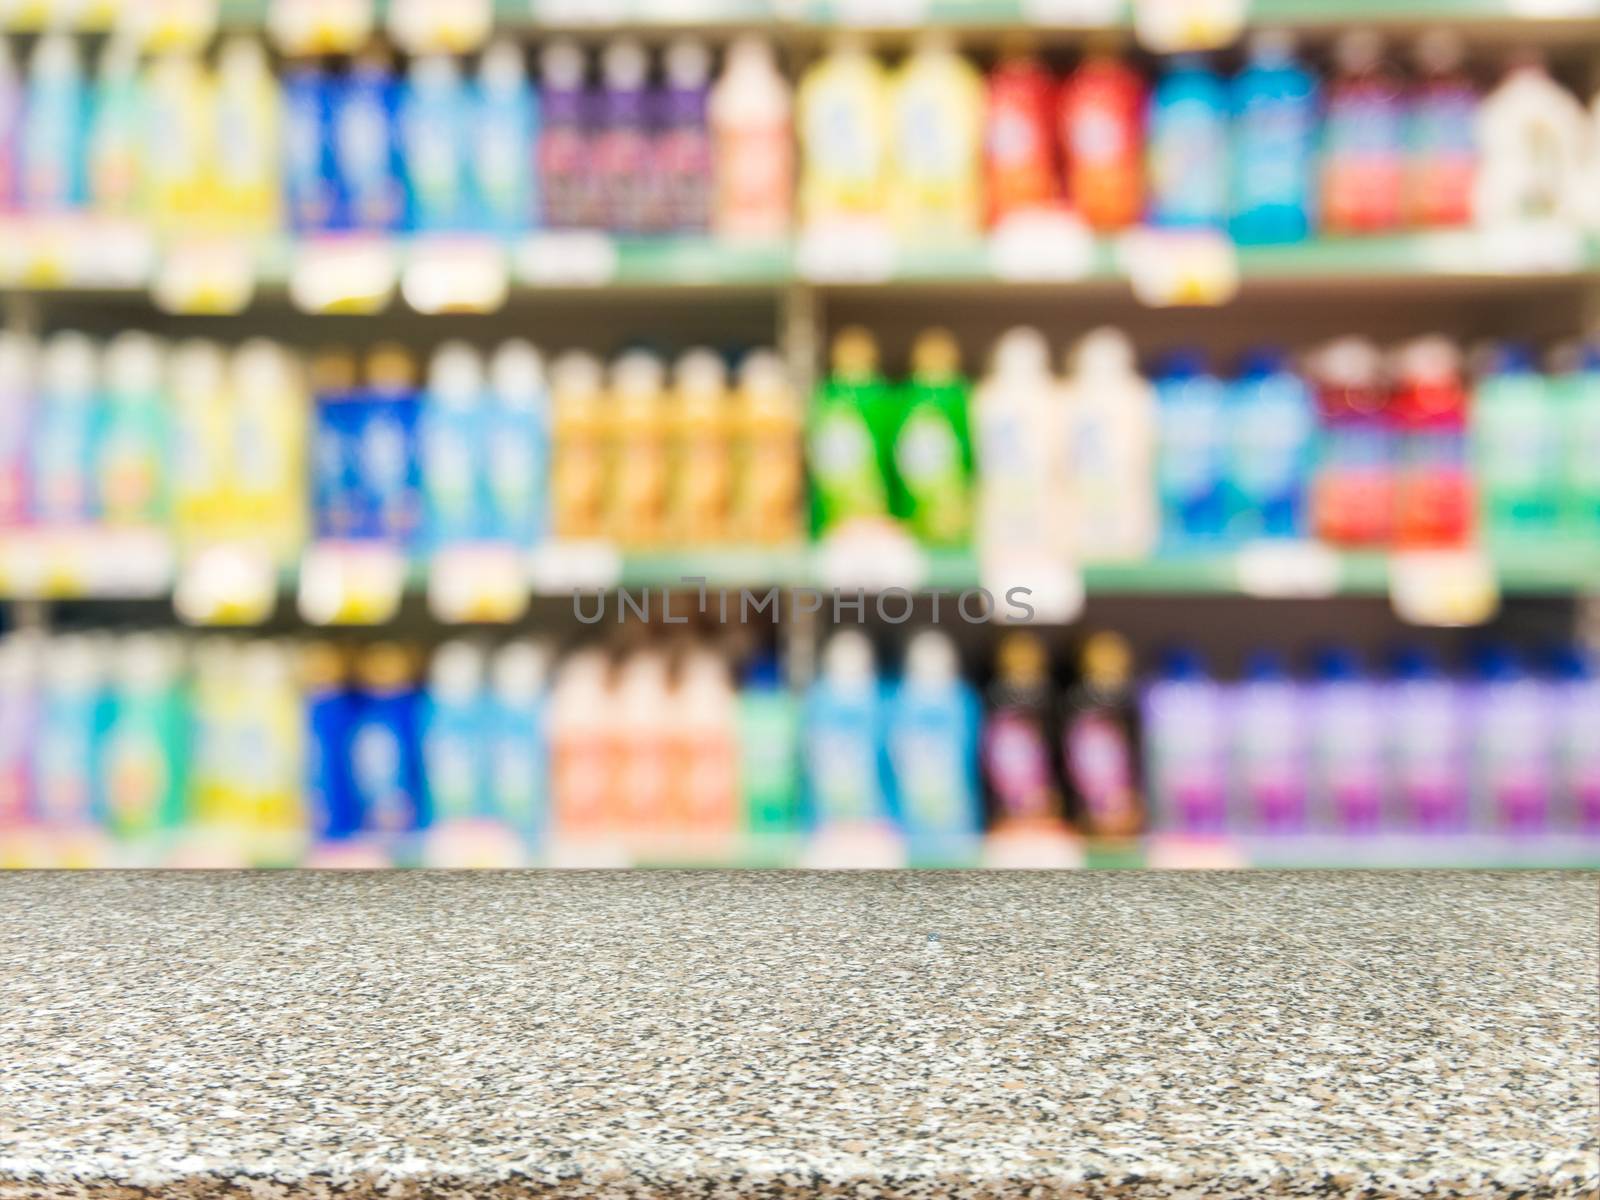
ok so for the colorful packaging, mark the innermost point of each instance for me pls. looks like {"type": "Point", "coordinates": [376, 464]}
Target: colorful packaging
{"type": "Point", "coordinates": [310, 176]}
{"type": "Point", "coordinates": [932, 732]}
{"type": "Point", "coordinates": [1347, 737]}
{"type": "Point", "coordinates": [1109, 431]}
{"type": "Point", "coordinates": [769, 487]}
{"type": "Point", "coordinates": [852, 409]}
{"type": "Point", "coordinates": [1274, 145]}
{"type": "Point", "coordinates": [182, 101]}
{"type": "Point", "coordinates": [119, 138]}
{"type": "Point", "coordinates": [1022, 488]}
{"type": "Point", "coordinates": [1576, 705]}
{"type": "Point", "coordinates": [843, 129]}
{"type": "Point", "coordinates": [367, 157]}
{"type": "Point", "coordinates": [579, 475]}
{"type": "Point", "coordinates": [932, 445]}
{"type": "Point", "coordinates": [1102, 115]}
{"type": "Point", "coordinates": [1271, 448]}
{"type": "Point", "coordinates": [246, 193]}
{"type": "Point", "coordinates": [144, 751]}
{"type": "Point", "coordinates": [19, 357]}
{"type": "Point", "coordinates": [844, 736]}
{"type": "Point", "coordinates": [703, 469]}
{"type": "Point", "coordinates": [1191, 455]}
{"type": "Point", "coordinates": [72, 714]}
{"type": "Point", "coordinates": [1353, 493]}
{"type": "Point", "coordinates": [1441, 135]}
{"type": "Point", "coordinates": [20, 665]}
{"type": "Point", "coordinates": [502, 136]}
{"type": "Point", "coordinates": [518, 748]}
{"type": "Point", "coordinates": [1100, 755]}
{"type": "Point", "coordinates": [1579, 402]}
{"type": "Point", "coordinates": [751, 114]}
{"type": "Point", "coordinates": [769, 743]}
{"type": "Point", "coordinates": [1185, 747]}
{"type": "Point", "coordinates": [1427, 745]}
{"type": "Point", "coordinates": [133, 446]}
{"type": "Point", "coordinates": [584, 761]}
{"type": "Point", "coordinates": [702, 748]}
{"type": "Point", "coordinates": [1434, 501]}
{"type": "Point", "coordinates": [1531, 136]}
{"type": "Point", "coordinates": [1267, 749]}
{"type": "Point", "coordinates": [1513, 745]}
{"type": "Point", "coordinates": [936, 128]}
{"type": "Point", "coordinates": [268, 761]}
{"type": "Point", "coordinates": [330, 709]}
{"type": "Point", "coordinates": [435, 123]}
{"type": "Point", "coordinates": [566, 146]}
{"type": "Point", "coordinates": [641, 481]}
{"type": "Point", "coordinates": [517, 457]}
{"type": "Point", "coordinates": [454, 727]}
{"type": "Point", "coordinates": [622, 153]}
{"type": "Point", "coordinates": [1020, 173]}
{"type": "Point", "coordinates": [1363, 141]}
{"type": "Point", "coordinates": [390, 465]}
{"type": "Point", "coordinates": [385, 759]}
{"type": "Point", "coordinates": [452, 439]}
{"type": "Point", "coordinates": [1018, 747]}
{"type": "Point", "coordinates": [640, 738]}
{"type": "Point", "coordinates": [268, 458]}
{"type": "Point", "coordinates": [1187, 150]}
{"type": "Point", "coordinates": [55, 128]}
{"type": "Point", "coordinates": [340, 506]}
{"type": "Point", "coordinates": [681, 153]}
{"type": "Point", "coordinates": [1518, 455]}
{"type": "Point", "coordinates": [66, 433]}
{"type": "Point", "coordinates": [11, 95]}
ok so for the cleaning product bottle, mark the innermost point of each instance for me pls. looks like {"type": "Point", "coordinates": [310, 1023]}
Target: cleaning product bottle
{"type": "Point", "coordinates": [1426, 744]}
{"type": "Point", "coordinates": [1187, 150]}
{"type": "Point", "coordinates": [518, 749]}
{"type": "Point", "coordinates": [1577, 708]}
{"type": "Point", "coordinates": [1531, 138]}
{"type": "Point", "coordinates": [502, 136]}
{"type": "Point", "coordinates": [933, 751]}
{"type": "Point", "coordinates": [1102, 115]}
{"type": "Point", "coordinates": [640, 740]}
{"type": "Point", "coordinates": [566, 172]}
{"type": "Point", "coordinates": [1513, 740]}
{"type": "Point", "coordinates": [385, 758]}
{"type": "Point", "coordinates": [435, 121]}
{"type": "Point", "coordinates": [1109, 431]}
{"type": "Point", "coordinates": [933, 447]}
{"type": "Point", "coordinates": [310, 175]}
{"type": "Point", "coordinates": [182, 148]}
{"type": "Point", "coordinates": [270, 429]}
{"type": "Point", "coordinates": [329, 716]}
{"type": "Point", "coordinates": [118, 137]}
{"type": "Point", "coordinates": [55, 125]}
{"type": "Point", "coordinates": [453, 445]}
{"type": "Point", "coordinates": [621, 160]}
{"type": "Point", "coordinates": [843, 129]}
{"type": "Point", "coordinates": [1099, 741]}
{"type": "Point", "coordinates": [1579, 402]}
{"type": "Point", "coordinates": [270, 764]}
{"type": "Point", "coordinates": [517, 455]}
{"type": "Point", "coordinates": [583, 760]}
{"type": "Point", "coordinates": [1363, 141]}
{"type": "Point", "coordinates": [1274, 104]}
{"type": "Point", "coordinates": [1185, 737]}
{"type": "Point", "coordinates": [769, 751]}
{"type": "Point", "coordinates": [454, 734]}
{"type": "Point", "coordinates": [1434, 503]}
{"type": "Point", "coordinates": [702, 467]}
{"type": "Point", "coordinates": [703, 748]}
{"type": "Point", "coordinates": [1267, 748]}
{"type": "Point", "coordinates": [367, 147]}
{"type": "Point", "coordinates": [249, 140]}
{"type": "Point", "coordinates": [1021, 501]}
{"type": "Point", "coordinates": [638, 508]}
{"type": "Point", "coordinates": [202, 414]}
{"type": "Point", "coordinates": [769, 486]}
{"type": "Point", "coordinates": [1019, 731]}
{"type": "Point", "coordinates": [20, 663]}
{"type": "Point", "coordinates": [1348, 768]}
{"type": "Point", "coordinates": [848, 422]}
{"type": "Point", "coordinates": [390, 465]}
{"type": "Point", "coordinates": [844, 736]}
{"type": "Point", "coordinates": [132, 449]}
{"type": "Point", "coordinates": [1516, 432]}
{"type": "Point", "coordinates": [578, 468]}
{"type": "Point", "coordinates": [66, 432]}
{"type": "Point", "coordinates": [1441, 135]}
{"type": "Point", "coordinates": [1020, 170]}
{"type": "Point", "coordinates": [144, 751]}
{"type": "Point", "coordinates": [1353, 490]}
{"type": "Point", "coordinates": [1270, 449]}
{"type": "Point", "coordinates": [10, 128]}
{"type": "Point", "coordinates": [751, 114]}
{"type": "Point", "coordinates": [214, 752]}
{"type": "Point", "coordinates": [1191, 453]}
{"type": "Point", "coordinates": [19, 360]}
{"type": "Point", "coordinates": [936, 173]}
{"type": "Point", "coordinates": [71, 720]}
{"type": "Point", "coordinates": [682, 149]}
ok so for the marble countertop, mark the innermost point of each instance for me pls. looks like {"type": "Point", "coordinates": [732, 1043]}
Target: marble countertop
{"type": "Point", "coordinates": [787, 1034]}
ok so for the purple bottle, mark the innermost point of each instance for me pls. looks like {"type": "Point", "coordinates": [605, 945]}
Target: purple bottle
{"type": "Point", "coordinates": [1578, 718]}
{"type": "Point", "coordinates": [565, 170]}
{"type": "Point", "coordinates": [1184, 748]}
{"type": "Point", "coordinates": [1427, 748]}
{"type": "Point", "coordinates": [682, 176]}
{"type": "Point", "coordinates": [622, 153]}
{"type": "Point", "coordinates": [1347, 761]}
{"type": "Point", "coordinates": [1512, 743]}
{"type": "Point", "coordinates": [1267, 743]}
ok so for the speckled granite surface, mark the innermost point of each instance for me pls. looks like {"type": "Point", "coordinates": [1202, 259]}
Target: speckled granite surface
{"type": "Point", "coordinates": [772, 1035]}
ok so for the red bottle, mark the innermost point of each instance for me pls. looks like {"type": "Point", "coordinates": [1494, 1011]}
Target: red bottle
{"type": "Point", "coordinates": [1363, 134]}
{"type": "Point", "coordinates": [1019, 148]}
{"type": "Point", "coordinates": [1102, 140]}
{"type": "Point", "coordinates": [1434, 501]}
{"type": "Point", "coordinates": [1352, 495]}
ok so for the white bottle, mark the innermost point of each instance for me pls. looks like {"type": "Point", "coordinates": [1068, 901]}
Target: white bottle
{"type": "Point", "coordinates": [1021, 500]}
{"type": "Point", "coordinates": [19, 357]}
{"type": "Point", "coordinates": [518, 434]}
{"type": "Point", "coordinates": [583, 756]}
{"type": "Point", "coordinates": [249, 138]}
{"type": "Point", "coordinates": [1108, 439]}
{"type": "Point", "coordinates": [64, 431]}
{"type": "Point", "coordinates": [641, 736]}
{"type": "Point", "coordinates": [703, 746]}
{"type": "Point", "coordinates": [1531, 135]}
{"type": "Point", "coordinates": [202, 422]}
{"type": "Point", "coordinates": [752, 145]}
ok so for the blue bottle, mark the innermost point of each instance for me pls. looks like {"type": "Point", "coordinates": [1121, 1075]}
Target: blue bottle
{"type": "Point", "coordinates": [454, 734]}
{"type": "Point", "coordinates": [933, 752]}
{"type": "Point", "coordinates": [1271, 449]}
{"type": "Point", "coordinates": [73, 716]}
{"type": "Point", "coordinates": [844, 736]}
{"type": "Point", "coordinates": [55, 128]}
{"type": "Point", "coordinates": [339, 504]}
{"type": "Point", "coordinates": [66, 434]}
{"type": "Point", "coordinates": [452, 443]}
{"type": "Point", "coordinates": [517, 458]}
{"type": "Point", "coordinates": [366, 148]}
{"type": "Point", "coordinates": [390, 467]}
{"type": "Point", "coordinates": [1187, 147]}
{"type": "Point", "coordinates": [330, 718]}
{"type": "Point", "coordinates": [310, 176]}
{"type": "Point", "coordinates": [518, 741]}
{"type": "Point", "coordinates": [1274, 104]}
{"type": "Point", "coordinates": [504, 139]}
{"type": "Point", "coordinates": [385, 750]}
{"type": "Point", "coordinates": [1191, 406]}
{"type": "Point", "coordinates": [436, 120]}
{"type": "Point", "coordinates": [1267, 746]}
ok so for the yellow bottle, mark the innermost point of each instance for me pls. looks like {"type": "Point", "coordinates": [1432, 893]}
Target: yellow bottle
{"type": "Point", "coordinates": [216, 697]}
{"type": "Point", "coordinates": [770, 481]}
{"type": "Point", "coordinates": [844, 131]}
{"type": "Point", "coordinates": [270, 414]}
{"type": "Point", "coordinates": [702, 469]}
{"type": "Point", "coordinates": [268, 773]}
{"type": "Point", "coordinates": [180, 141]}
{"type": "Point", "coordinates": [242, 173]}
{"type": "Point", "coordinates": [639, 475]}
{"type": "Point", "coordinates": [202, 429]}
{"type": "Point", "coordinates": [936, 176]}
{"type": "Point", "coordinates": [578, 429]}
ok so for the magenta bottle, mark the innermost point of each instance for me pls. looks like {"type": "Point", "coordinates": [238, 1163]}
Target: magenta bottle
{"type": "Point", "coordinates": [1346, 745]}
{"type": "Point", "coordinates": [1185, 748]}
{"type": "Point", "coordinates": [1267, 743]}
{"type": "Point", "coordinates": [1513, 745]}
{"type": "Point", "coordinates": [1426, 721]}
{"type": "Point", "coordinates": [682, 174]}
{"type": "Point", "coordinates": [622, 151]}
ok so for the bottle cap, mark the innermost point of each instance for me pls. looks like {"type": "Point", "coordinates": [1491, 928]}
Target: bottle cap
{"type": "Point", "coordinates": [762, 673]}
{"type": "Point", "coordinates": [265, 666]}
{"type": "Point", "coordinates": [435, 72]}
{"type": "Point", "coordinates": [751, 52]}
{"type": "Point", "coordinates": [1022, 659]}
{"type": "Point", "coordinates": [1440, 51]}
{"type": "Point", "coordinates": [19, 359]}
{"type": "Point", "coordinates": [1412, 662]}
{"type": "Point", "coordinates": [374, 59]}
{"type": "Point", "coordinates": [1183, 663]}
{"type": "Point", "coordinates": [456, 672]}
{"type": "Point", "coordinates": [1022, 351]}
{"type": "Point", "coordinates": [265, 368]}
{"type": "Point", "coordinates": [242, 56]}
{"type": "Point", "coordinates": [1495, 662]}
{"type": "Point", "coordinates": [147, 662]}
{"type": "Point", "coordinates": [1337, 663]}
{"type": "Point", "coordinates": [516, 373]}
{"type": "Point", "coordinates": [119, 60]}
{"type": "Point", "coordinates": [55, 55]}
{"type": "Point", "coordinates": [935, 355]}
{"type": "Point", "coordinates": [700, 373]}
{"type": "Point", "coordinates": [1259, 362]}
{"type": "Point", "coordinates": [21, 656]}
{"type": "Point", "coordinates": [199, 371]}
{"type": "Point", "coordinates": [1185, 363]}
{"type": "Point", "coordinates": [519, 671]}
{"type": "Point", "coordinates": [931, 660]}
{"type": "Point", "coordinates": [70, 366]}
{"type": "Point", "coordinates": [323, 667]}
{"type": "Point", "coordinates": [1102, 352]}
{"type": "Point", "coordinates": [502, 68]}
{"type": "Point", "coordinates": [576, 373]}
{"type": "Point", "coordinates": [333, 372]}
{"type": "Point", "coordinates": [762, 374]}
{"type": "Point", "coordinates": [561, 64]}
{"type": "Point", "coordinates": [625, 65]}
{"type": "Point", "coordinates": [1272, 45]}
{"type": "Point", "coordinates": [1264, 666]}
{"type": "Point", "coordinates": [390, 367]}
{"type": "Point", "coordinates": [855, 353]}
{"type": "Point", "coordinates": [1107, 660]}
{"type": "Point", "coordinates": [456, 376]}
{"type": "Point", "coordinates": [637, 375]}
{"type": "Point", "coordinates": [74, 663]}
{"type": "Point", "coordinates": [847, 660]}
{"type": "Point", "coordinates": [135, 364]}
{"type": "Point", "coordinates": [1349, 362]}
{"type": "Point", "coordinates": [385, 667]}
{"type": "Point", "coordinates": [1511, 358]}
{"type": "Point", "coordinates": [1358, 51]}
{"type": "Point", "coordinates": [1432, 360]}
{"type": "Point", "coordinates": [688, 63]}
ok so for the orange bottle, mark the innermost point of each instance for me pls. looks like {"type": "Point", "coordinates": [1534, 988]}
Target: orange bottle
{"type": "Point", "coordinates": [1102, 138]}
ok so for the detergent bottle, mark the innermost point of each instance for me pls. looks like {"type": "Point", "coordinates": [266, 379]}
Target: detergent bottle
{"type": "Point", "coordinates": [1185, 732]}
{"type": "Point", "coordinates": [933, 751]}
{"type": "Point", "coordinates": [436, 119]}
{"type": "Point", "coordinates": [1191, 453]}
{"type": "Point", "coordinates": [54, 128]}
{"type": "Point", "coordinates": [502, 138]}
{"type": "Point", "coordinates": [1187, 147]}
{"type": "Point", "coordinates": [1020, 169]}
{"type": "Point", "coordinates": [454, 734]}
{"type": "Point", "coordinates": [769, 487]}
{"type": "Point", "coordinates": [936, 114]}
{"type": "Point", "coordinates": [181, 155]}
{"type": "Point", "coordinates": [329, 712]}
{"type": "Point", "coordinates": [844, 735]}
{"type": "Point", "coordinates": [518, 739]}
{"type": "Point", "coordinates": [19, 365]}
{"type": "Point", "coordinates": [641, 741]}
{"type": "Point", "coordinates": [579, 442]}
{"type": "Point", "coordinates": [1363, 141]}
{"type": "Point", "coordinates": [1427, 744]}
{"type": "Point", "coordinates": [385, 751]}
{"type": "Point", "coordinates": [769, 746]}
{"type": "Point", "coordinates": [1109, 431]}
{"type": "Point", "coordinates": [367, 147]}
{"type": "Point", "coordinates": [118, 136]}
{"type": "Point", "coordinates": [270, 428]}
{"type": "Point", "coordinates": [202, 430]}
{"type": "Point", "coordinates": [1517, 431]}
{"type": "Point", "coordinates": [71, 722]}
{"type": "Point", "coordinates": [1274, 104]}
{"type": "Point", "coordinates": [1579, 403]}
{"type": "Point", "coordinates": [20, 664]}
{"type": "Point", "coordinates": [1441, 135]}
{"type": "Point", "coordinates": [1022, 502]}
{"type": "Point", "coordinates": [249, 140]}
{"type": "Point", "coordinates": [1514, 746]}
{"type": "Point", "coordinates": [66, 431]}
{"type": "Point", "coordinates": [682, 143]}
{"type": "Point", "coordinates": [847, 432]}
{"type": "Point", "coordinates": [10, 128]}
{"type": "Point", "coordinates": [702, 461]}
{"type": "Point", "coordinates": [1267, 748]}
{"type": "Point", "coordinates": [1577, 703]}
{"type": "Point", "coordinates": [621, 153]}
{"type": "Point", "coordinates": [642, 479]}
{"type": "Point", "coordinates": [132, 448]}
{"type": "Point", "coordinates": [1099, 747]}
{"type": "Point", "coordinates": [310, 176]}
{"type": "Point", "coordinates": [567, 190]}
{"type": "Point", "coordinates": [704, 802]}
{"type": "Point", "coordinates": [752, 145]}
{"type": "Point", "coordinates": [933, 447]}
{"type": "Point", "coordinates": [144, 751]}
{"type": "Point", "coordinates": [1347, 745]}
{"type": "Point", "coordinates": [454, 447]}
{"type": "Point", "coordinates": [1270, 449]}
{"type": "Point", "coordinates": [1352, 501]}
{"type": "Point", "coordinates": [584, 762]}
{"type": "Point", "coordinates": [517, 454]}
{"type": "Point", "coordinates": [1434, 503]}
{"type": "Point", "coordinates": [1019, 734]}
{"type": "Point", "coordinates": [843, 128]}
{"type": "Point", "coordinates": [1531, 136]}
{"type": "Point", "coordinates": [1102, 116]}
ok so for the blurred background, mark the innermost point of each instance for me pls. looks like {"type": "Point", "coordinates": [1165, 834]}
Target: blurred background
{"type": "Point", "coordinates": [852, 432]}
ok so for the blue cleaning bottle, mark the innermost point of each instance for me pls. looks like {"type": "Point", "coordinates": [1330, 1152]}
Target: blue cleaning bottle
{"type": "Point", "coordinates": [310, 174]}
{"type": "Point", "coordinates": [454, 734]}
{"type": "Point", "coordinates": [1348, 764]}
{"type": "Point", "coordinates": [385, 757]}
{"type": "Point", "coordinates": [504, 138]}
{"type": "Point", "coordinates": [450, 438]}
{"type": "Point", "coordinates": [330, 708]}
{"type": "Point", "coordinates": [518, 741]}
{"type": "Point", "coordinates": [55, 128]}
{"type": "Point", "coordinates": [517, 459]}
{"type": "Point", "coordinates": [1426, 723]}
{"type": "Point", "coordinates": [1267, 747]}
{"type": "Point", "coordinates": [436, 129]}
{"type": "Point", "coordinates": [66, 433]}
{"type": "Point", "coordinates": [73, 711]}
{"type": "Point", "coordinates": [390, 463]}
{"type": "Point", "coordinates": [1274, 105]}
{"type": "Point", "coordinates": [1271, 449]}
{"type": "Point", "coordinates": [1187, 147]}
{"type": "Point", "coordinates": [844, 736]}
{"type": "Point", "coordinates": [933, 753]}
{"type": "Point", "coordinates": [1185, 747]}
{"type": "Point", "coordinates": [1191, 407]}
{"type": "Point", "coordinates": [366, 148]}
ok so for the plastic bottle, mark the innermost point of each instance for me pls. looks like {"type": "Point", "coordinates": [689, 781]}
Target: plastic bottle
{"type": "Point", "coordinates": [583, 762]}
{"type": "Point", "coordinates": [55, 125]}
{"type": "Point", "coordinates": [1579, 401]}
{"type": "Point", "coordinates": [336, 500]}
{"type": "Point", "coordinates": [1274, 101]}
{"type": "Point", "coordinates": [518, 747]}
{"type": "Point", "coordinates": [933, 446]}
{"type": "Point", "coordinates": [1021, 498]}
{"type": "Point", "coordinates": [390, 465]}
{"type": "Point", "coordinates": [1271, 448]}
{"type": "Point", "coordinates": [1267, 738]}
{"type": "Point", "coordinates": [517, 457]}
{"type": "Point", "coordinates": [436, 121]}
{"type": "Point", "coordinates": [769, 486]}
{"type": "Point", "coordinates": [1576, 705]}
{"type": "Point", "coordinates": [843, 129]}
{"type": "Point", "coordinates": [310, 175]}
{"type": "Point", "coordinates": [270, 761]}
{"type": "Point", "coordinates": [1191, 453]}
{"type": "Point", "coordinates": [578, 474]}
{"type": "Point", "coordinates": [330, 709]}
{"type": "Point", "coordinates": [66, 431]}
{"type": "Point", "coordinates": [640, 739]}
{"type": "Point", "coordinates": [1363, 139]}
{"type": "Point", "coordinates": [11, 115]}
{"type": "Point", "coordinates": [144, 751]}
{"type": "Point", "coordinates": [72, 710]}
{"type": "Point", "coordinates": [133, 447]}
{"type": "Point", "coordinates": [1516, 430]}
{"type": "Point", "coordinates": [503, 135]}
{"type": "Point", "coordinates": [1427, 745]}
{"type": "Point", "coordinates": [936, 122]}
{"type": "Point", "coordinates": [640, 483]}
{"type": "Point", "coordinates": [1531, 139]}
{"type": "Point", "coordinates": [703, 748]}
{"type": "Point", "coordinates": [567, 190]}
{"type": "Point", "coordinates": [214, 752]}
{"type": "Point", "coordinates": [844, 736]}
{"type": "Point", "coordinates": [1019, 735]}
{"type": "Point", "coordinates": [19, 363]}
{"type": "Point", "coordinates": [1099, 741]}
{"type": "Point", "coordinates": [385, 758]}
{"type": "Point", "coordinates": [1433, 487]}
{"type": "Point", "coordinates": [1102, 115]}
{"type": "Point", "coordinates": [1514, 745]}
{"type": "Point", "coordinates": [622, 162]}
{"type": "Point", "coordinates": [202, 418]}
{"type": "Point", "coordinates": [1353, 492]}
{"type": "Point", "coordinates": [118, 137]}
{"type": "Point", "coordinates": [703, 468]}
{"type": "Point", "coordinates": [1185, 748]}
{"type": "Point", "coordinates": [751, 113]}
{"type": "Point", "coordinates": [249, 140]}
{"type": "Point", "coordinates": [847, 432]}
{"type": "Point", "coordinates": [20, 663]}
{"type": "Point", "coordinates": [1020, 168]}
{"type": "Point", "coordinates": [932, 736]}
{"type": "Point", "coordinates": [1109, 431]}
{"type": "Point", "coordinates": [455, 718]}
{"type": "Point", "coordinates": [682, 145]}
{"type": "Point", "coordinates": [1187, 147]}
{"type": "Point", "coordinates": [1441, 135]}
{"type": "Point", "coordinates": [1346, 721]}
{"type": "Point", "coordinates": [367, 156]}
{"type": "Point", "coordinates": [181, 96]}
{"type": "Point", "coordinates": [452, 437]}
{"type": "Point", "coordinates": [270, 424]}
{"type": "Point", "coordinates": [769, 752]}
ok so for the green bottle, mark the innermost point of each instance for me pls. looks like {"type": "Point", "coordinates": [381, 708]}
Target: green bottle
{"type": "Point", "coordinates": [143, 750]}
{"type": "Point", "coordinates": [933, 445]}
{"type": "Point", "coordinates": [769, 764]}
{"type": "Point", "coordinates": [848, 434]}
{"type": "Point", "coordinates": [1518, 449]}
{"type": "Point", "coordinates": [1580, 440]}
